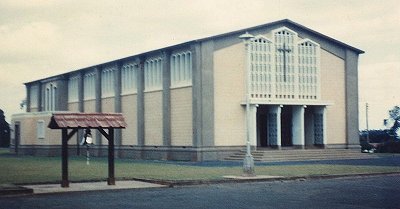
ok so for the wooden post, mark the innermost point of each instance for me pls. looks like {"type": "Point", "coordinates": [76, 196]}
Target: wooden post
{"type": "Point", "coordinates": [64, 156]}
{"type": "Point", "coordinates": [111, 176]}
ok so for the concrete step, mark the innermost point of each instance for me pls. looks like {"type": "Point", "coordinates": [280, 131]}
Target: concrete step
{"type": "Point", "coordinates": [301, 155]}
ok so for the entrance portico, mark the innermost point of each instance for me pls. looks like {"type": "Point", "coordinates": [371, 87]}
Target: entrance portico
{"type": "Point", "coordinates": [288, 125]}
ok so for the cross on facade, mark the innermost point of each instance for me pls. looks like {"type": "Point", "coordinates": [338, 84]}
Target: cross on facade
{"type": "Point", "coordinates": [284, 50]}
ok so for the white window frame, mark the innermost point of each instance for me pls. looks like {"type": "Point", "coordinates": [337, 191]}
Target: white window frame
{"type": "Point", "coordinates": [89, 86]}
{"type": "Point", "coordinates": [40, 129]}
{"type": "Point", "coordinates": [129, 74]}
{"type": "Point", "coordinates": [153, 74]}
{"type": "Point", "coordinates": [73, 95]}
{"type": "Point", "coordinates": [50, 97]}
{"type": "Point", "coordinates": [34, 90]}
{"type": "Point", "coordinates": [108, 81]}
{"type": "Point", "coordinates": [181, 69]}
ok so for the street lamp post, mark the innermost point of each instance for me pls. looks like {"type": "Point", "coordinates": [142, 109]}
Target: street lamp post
{"type": "Point", "coordinates": [248, 162]}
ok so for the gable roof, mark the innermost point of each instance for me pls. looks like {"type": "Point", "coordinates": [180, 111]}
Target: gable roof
{"type": "Point", "coordinates": [285, 22]}
{"type": "Point", "coordinates": [87, 120]}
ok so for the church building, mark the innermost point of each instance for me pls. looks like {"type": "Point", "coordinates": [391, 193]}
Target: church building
{"type": "Point", "coordinates": [189, 101]}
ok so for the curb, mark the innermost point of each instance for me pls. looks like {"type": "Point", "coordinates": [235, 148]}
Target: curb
{"type": "Point", "coordinates": [11, 190]}
{"type": "Point", "coordinates": [177, 183]}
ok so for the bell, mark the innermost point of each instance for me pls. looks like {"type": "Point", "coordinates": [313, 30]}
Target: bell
{"type": "Point", "coordinates": [89, 139]}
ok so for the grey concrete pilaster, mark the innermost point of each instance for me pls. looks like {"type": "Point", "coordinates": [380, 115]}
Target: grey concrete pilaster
{"type": "Point", "coordinates": [62, 94]}
{"type": "Point", "coordinates": [28, 98]}
{"type": "Point", "coordinates": [39, 95]}
{"type": "Point", "coordinates": [298, 128]}
{"type": "Point", "coordinates": [98, 108]}
{"type": "Point", "coordinates": [140, 102]}
{"type": "Point", "coordinates": [351, 70]}
{"type": "Point", "coordinates": [81, 106]}
{"type": "Point", "coordinates": [117, 102]}
{"type": "Point", "coordinates": [203, 94]}
{"type": "Point", "coordinates": [166, 98]}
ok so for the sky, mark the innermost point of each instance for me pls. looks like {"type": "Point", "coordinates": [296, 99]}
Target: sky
{"type": "Point", "coordinates": [41, 38]}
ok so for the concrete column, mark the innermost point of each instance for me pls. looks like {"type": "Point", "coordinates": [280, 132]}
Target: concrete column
{"type": "Point", "coordinates": [298, 126]}
{"type": "Point", "coordinates": [117, 102]}
{"type": "Point", "coordinates": [166, 98]}
{"type": "Point", "coordinates": [98, 108]}
{"type": "Point", "coordinates": [320, 126]}
{"type": "Point", "coordinates": [28, 98]}
{"type": "Point", "coordinates": [274, 126]}
{"type": "Point", "coordinates": [140, 102]}
{"type": "Point", "coordinates": [253, 125]}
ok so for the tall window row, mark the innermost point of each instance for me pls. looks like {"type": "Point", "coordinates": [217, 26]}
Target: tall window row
{"type": "Point", "coordinates": [89, 83]}
{"type": "Point", "coordinates": [181, 69]}
{"type": "Point", "coordinates": [129, 78]}
{"type": "Point", "coordinates": [284, 68]}
{"type": "Point", "coordinates": [34, 96]}
{"type": "Point", "coordinates": [108, 81]}
{"type": "Point", "coordinates": [153, 74]}
{"type": "Point", "coordinates": [50, 97]}
{"type": "Point", "coordinates": [73, 89]}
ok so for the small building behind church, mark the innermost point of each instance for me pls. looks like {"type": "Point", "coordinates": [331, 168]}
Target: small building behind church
{"type": "Point", "coordinates": [188, 101]}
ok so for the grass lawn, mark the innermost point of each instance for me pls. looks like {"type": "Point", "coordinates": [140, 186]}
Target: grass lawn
{"type": "Point", "coordinates": [28, 169]}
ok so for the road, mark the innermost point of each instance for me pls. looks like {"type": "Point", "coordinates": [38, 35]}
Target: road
{"type": "Point", "coordinates": [366, 192]}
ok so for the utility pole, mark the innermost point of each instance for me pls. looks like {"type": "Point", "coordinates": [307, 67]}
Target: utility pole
{"type": "Point", "coordinates": [366, 120]}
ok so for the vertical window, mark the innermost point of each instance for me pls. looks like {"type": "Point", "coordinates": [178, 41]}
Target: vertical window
{"type": "Point", "coordinates": [181, 69]}
{"type": "Point", "coordinates": [34, 96]}
{"type": "Point", "coordinates": [73, 89]}
{"type": "Point", "coordinates": [89, 85]}
{"type": "Point", "coordinates": [108, 81]}
{"type": "Point", "coordinates": [40, 129]}
{"type": "Point", "coordinates": [308, 70]}
{"type": "Point", "coordinates": [50, 97]}
{"type": "Point", "coordinates": [129, 78]}
{"type": "Point", "coordinates": [153, 74]}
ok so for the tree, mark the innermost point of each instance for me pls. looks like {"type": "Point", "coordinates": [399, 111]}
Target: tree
{"type": "Point", "coordinates": [4, 131]}
{"type": "Point", "coordinates": [394, 122]}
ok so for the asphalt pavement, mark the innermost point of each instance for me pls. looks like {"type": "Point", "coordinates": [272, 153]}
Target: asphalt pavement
{"type": "Point", "coordinates": [349, 193]}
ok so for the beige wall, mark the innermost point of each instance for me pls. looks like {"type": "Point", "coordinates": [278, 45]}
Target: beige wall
{"type": "Point", "coordinates": [228, 95]}
{"type": "Point", "coordinates": [181, 117]}
{"type": "Point", "coordinates": [129, 110]}
{"type": "Point", "coordinates": [153, 118]}
{"type": "Point", "coordinates": [108, 104]}
{"type": "Point", "coordinates": [89, 106]}
{"type": "Point", "coordinates": [28, 126]}
{"type": "Point", "coordinates": [35, 109]}
{"type": "Point", "coordinates": [73, 107]}
{"type": "Point", "coordinates": [333, 89]}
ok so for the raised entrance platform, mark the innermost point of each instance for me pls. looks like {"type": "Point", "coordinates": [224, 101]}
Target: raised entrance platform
{"type": "Point", "coordinates": [302, 155]}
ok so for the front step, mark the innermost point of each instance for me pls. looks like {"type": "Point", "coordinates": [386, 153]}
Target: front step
{"type": "Point", "coordinates": [301, 155]}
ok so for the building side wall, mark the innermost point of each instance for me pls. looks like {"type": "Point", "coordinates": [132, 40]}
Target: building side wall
{"type": "Point", "coordinates": [229, 74]}
{"type": "Point", "coordinates": [29, 129]}
{"type": "Point", "coordinates": [108, 105]}
{"type": "Point", "coordinates": [333, 89]}
{"type": "Point", "coordinates": [129, 110]}
{"type": "Point", "coordinates": [181, 117]}
{"type": "Point", "coordinates": [74, 106]}
{"type": "Point", "coordinates": [153, 118]}
{"type": "Point", "coordinates": [89, 106]}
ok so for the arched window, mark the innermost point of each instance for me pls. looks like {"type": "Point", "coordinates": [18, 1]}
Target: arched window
{"type": "Point", "coordinates": [89, 84]}
{"type": "Point", "coordinates": [181, 69]}
{"type": "Point", "coordinates": [129, 78]}
{"type": "Point", "coordinates": [73, 89]}
{"type": "Point", "coordinates": [153, 74]}
{"type": "Point", "coordinates": [50, 97]}
{"type": "Point", "coordinates": [108, 81]}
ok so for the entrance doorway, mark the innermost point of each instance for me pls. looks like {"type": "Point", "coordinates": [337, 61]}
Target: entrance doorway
{"type": "Point", "coordinates": [17, 137]}
{"type": "Point", "coordinates": [271, 132]}
{"type": "Point", "coordinates": [286, 126]}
